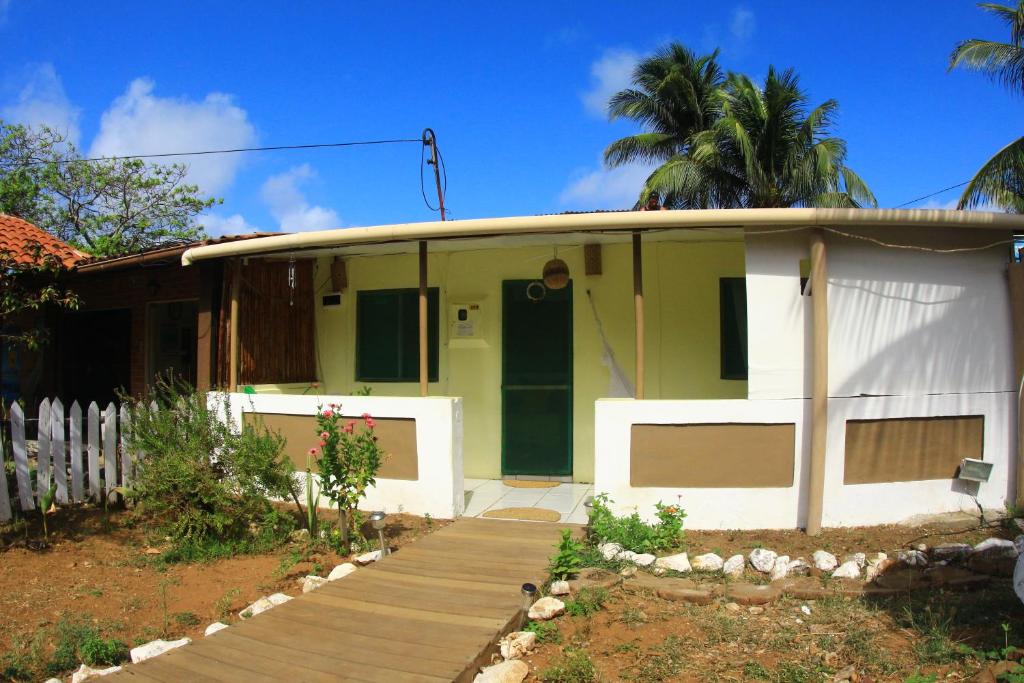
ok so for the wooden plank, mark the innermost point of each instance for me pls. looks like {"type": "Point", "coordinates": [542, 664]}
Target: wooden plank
{"type": "Point", "coordinates": [374, 580]}
{"type": "Point", "coordinates": [75, 429]}
{"type": "Point", "coordinates": [434, 601]}
{"type": "Point", "coordinates": [94, 451]}
{"type": "Point", "coordinates": [109, 431]}
{"type": "Point", "coordinates": [187, 667]}
{"type": "Point", "coordinates": [58, 452]}
{"type": "Point", "coordinates": [5, 496]}
{"type": "Point", "coordinates": [434, 618]}
{"type": "Point", "coordinates": [126, 459]}
{"type": "Point", "coordinates": [43, 473]}
{"type": "Point", "coordinates": [440, 572]}
{"type": "Point", "coordinates": [20, 451]}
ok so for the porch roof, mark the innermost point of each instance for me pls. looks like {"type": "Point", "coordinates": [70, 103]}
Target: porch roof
{"type": "Point", "coordinates": [713, 224]}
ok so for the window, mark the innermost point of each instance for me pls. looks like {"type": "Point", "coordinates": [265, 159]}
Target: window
{"type": "Point", "coordinates": [387, 335]}
{"type": "Point", "coordinates": [732, 300]}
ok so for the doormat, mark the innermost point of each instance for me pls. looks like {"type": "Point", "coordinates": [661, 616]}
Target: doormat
{"type": "Point", "coordinates": [525, 514]}
{"type": "Point", "coordinates": [530, 484]}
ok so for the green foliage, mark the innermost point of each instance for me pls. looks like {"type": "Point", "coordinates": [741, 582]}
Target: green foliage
{"type": "Point", "coordinates": [726, 142]}
{"type": "Point", "coordinates": [186, 619]}
{"type": "Point", "coordinates": [98, 651]}
{"type": "Point", "coordinates": [568, 560]}
{"type": "Point", "coordinates": [77, 640]}
{"type": "Point", "coordinates": [26, 288]}
{"type": "Point", "coordinates": [574, 666]}
{"type": "Point", "coordinates": [587, 601]}
{"type": "Point", "coordinates": [921, 678]}
{"type": "Point", "coordinates": [348, 458]}
{"type": "Point", "coordinates": [108, 207]}
{"type": "Point", "coordinates": [547, 631]}
{"type": "Point", "coordinates": [205, 480]}
{"type": "Point", "coordinates": [632, 533]}
{"type": "Point", "coordinates": [756, 671]}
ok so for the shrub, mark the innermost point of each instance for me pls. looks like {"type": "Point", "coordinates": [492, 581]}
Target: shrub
{"type": "Point", "coordinates": [202, 477]}
{"type": "Point", "coordinates": [632, 533]}
{"type": "Point", "coordinates": [97, 651]}
{"type": "Point", "coordinates": [569, 558]}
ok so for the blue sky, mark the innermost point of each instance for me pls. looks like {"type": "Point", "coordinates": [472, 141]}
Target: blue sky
{"type": "Point", "coordinates": [514, 94]}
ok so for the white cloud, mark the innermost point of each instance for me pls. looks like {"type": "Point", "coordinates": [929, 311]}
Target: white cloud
{"type": "Point", "coordinates": [139, 122]}
{"type": "Point", "coordinates": [217, 226]}
{"type": "Point", "coordinates": [615, 188]}
{"type": "Point", "coordinates": [287, 202]}
{"type": "Point", "coordinates": [41, 100]}
{"type": "Point", "coordinates": [743, 24]}
{"type": "Point", "coordinates": [609, 74]}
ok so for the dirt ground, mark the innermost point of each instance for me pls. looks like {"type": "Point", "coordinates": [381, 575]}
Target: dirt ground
{"type": "Point", "coordinates": [102, 574]}
{"type": "Point", "coordinates": [928, 635]}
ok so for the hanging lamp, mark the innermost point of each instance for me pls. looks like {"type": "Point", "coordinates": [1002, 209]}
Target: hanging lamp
{"type": "Point", "coordinates": [556, 273]}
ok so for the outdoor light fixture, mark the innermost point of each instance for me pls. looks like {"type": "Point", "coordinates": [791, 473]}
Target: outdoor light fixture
{"type": "Point", "coordinates": [974, 470]}
{"type": "Point", "coordinates": [588, 504]}
{"type": "Point", "coordinates": [378, 523]}
{"type": "Point", "coordinates": [529, 594]}
{"type": "Point", "coordinates": [556, 273]}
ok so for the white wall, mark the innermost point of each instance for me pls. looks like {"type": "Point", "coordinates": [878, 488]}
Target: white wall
{"type": "Point", "coordinates": [439, 489]}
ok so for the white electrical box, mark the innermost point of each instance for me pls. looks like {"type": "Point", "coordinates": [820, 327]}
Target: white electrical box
{"type": "Point", "coordinates": [465, 322]}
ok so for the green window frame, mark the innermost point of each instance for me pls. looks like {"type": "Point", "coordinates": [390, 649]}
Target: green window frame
{"type": "Point", "coordinates": [387, 335]}
{"type": "Point", "coordinates": [732, 300]}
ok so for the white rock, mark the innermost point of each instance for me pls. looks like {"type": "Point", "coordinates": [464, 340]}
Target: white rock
{"type": "Point", "coordinates": [677, 563]}
{"type": "Point", "coordinates": [799, 567]}
{"type": "Point", "coordinates": [762, 560]}
{"type": "Point", "coordinates": [625, 556]}
{"type": "Point", "coordinates": [708, 562]}
{"type": "Point", "coordinates": [214, 627]}
{"type": "Point", "coordinates": [518, 644]}
{"type": "Point", "coordinates": [559, 588]}
{"type": "Point", "coordinates": [951, 551]}
{"type": "Point", "coordinates": [733, 567]}
{"type": "Point", "coordinates": [805, 609]}
{"type": "Point", "coordinates": [847, 570]}
{"type": "Point", "coordinates": [55, 680]}
{"type": "Point", "coordinates": [628, 571]}
{"type": "Point", "coordinates": [368, 558]}
{"type": "Point", "coordinates": [84, 672]}
{"type": "Point", "coordinates": [155, 648]}
{"type": "Point", "coordinates": [609, 550]}
{"type": "Point", "coordinates": [263, 604]}
{"type": "Point", "coordinates": [996, 547]}
{"type": "Point", "coordinates": [644, 560]}
{"type": "Point", "coordinates": [1018, 578]}
{"type": "Point", "coordinates": [824, 560]}
{"type": "Point", "coordinates": [780, 569]}
{"type": "Point", "coordinates": [860, 558]}
{"type": "Point", "coordinates": [1018, 543]}
{"type": "Point", "coordinates": [659, 571]}
{"type": "Point", "coordinates": [914, 558]}
{"type": "Point", "coordinates": [311, 583]}
{"type": "Point", "coordinates": [341, 571]}
{"type": "Point", "coordinates": [511, 671]}
{"type": "Point", "coordinates": [547, 608]}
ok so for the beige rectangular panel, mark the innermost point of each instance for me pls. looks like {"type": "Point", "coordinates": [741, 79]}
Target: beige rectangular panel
{"type": "Point", "coordinates": [396, 436]}
{"type": "Point", "coordinates": [911, 449]}
{"type": "Point", "coordinates": [712, 455]}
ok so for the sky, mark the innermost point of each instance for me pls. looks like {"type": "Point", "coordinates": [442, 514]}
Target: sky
{"type": "Point", "coordinates": [515, 94]}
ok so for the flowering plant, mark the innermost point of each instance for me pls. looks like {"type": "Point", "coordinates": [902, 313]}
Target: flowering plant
{"type": "Point", "coordinates": [348, 458]}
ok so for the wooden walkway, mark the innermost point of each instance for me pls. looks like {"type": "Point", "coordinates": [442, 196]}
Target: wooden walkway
{"type": "Point", "coordinates": [429, 612]}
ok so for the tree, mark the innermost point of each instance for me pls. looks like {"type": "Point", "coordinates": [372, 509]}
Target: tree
{"type": "Point", "coordinates": [726, 142]}
{"type": "Point", "coordinates": [25, 288]}
{"type": "Point", "coordinates": [1000, 180]}
{"type": "Point", "coordinates": [107, 207]}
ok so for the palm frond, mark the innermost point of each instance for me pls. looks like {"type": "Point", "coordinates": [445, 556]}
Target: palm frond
{"type": "Point", "coordinates": [999, 181]}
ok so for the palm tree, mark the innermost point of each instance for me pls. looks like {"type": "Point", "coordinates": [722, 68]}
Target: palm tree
{"type": "Point", "coordinates": [767, 150]}
{"type": "Point", "coordinates": [676, 95]}
{"type": "Point", "coordinates": [1000, 180]}
{"type": "Point", "coordinates": [725, 142]}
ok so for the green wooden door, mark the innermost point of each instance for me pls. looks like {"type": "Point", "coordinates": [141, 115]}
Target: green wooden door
{"type": "Point", "coordinates": [536, 391]}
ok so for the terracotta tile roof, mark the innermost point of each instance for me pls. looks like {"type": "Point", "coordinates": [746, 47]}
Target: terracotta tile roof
{"type": "Point", "coordinates": [19, 238]}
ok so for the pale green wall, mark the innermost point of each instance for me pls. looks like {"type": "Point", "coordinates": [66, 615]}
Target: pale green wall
{"type": "Point", "coordinates": [681, 294]}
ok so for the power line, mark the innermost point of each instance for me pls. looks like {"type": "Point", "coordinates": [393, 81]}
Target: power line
{"type": "Point", "coordinates": [235, 150]}
{"type": "Point", "coordinates": [929, 196]}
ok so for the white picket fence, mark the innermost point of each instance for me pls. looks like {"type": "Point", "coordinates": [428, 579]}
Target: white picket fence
{"type": "Point", "coordinates": [62, 449]}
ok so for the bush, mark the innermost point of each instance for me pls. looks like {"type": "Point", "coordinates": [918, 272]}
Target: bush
{"type": "Point", "coordinates": [203, 478]}
{"type": "Point", "coordinates": [98, 651]}
{"type": "Point", "coordinates": [569, 558]}
{"type": "Point", "coordinates": [632, 533]}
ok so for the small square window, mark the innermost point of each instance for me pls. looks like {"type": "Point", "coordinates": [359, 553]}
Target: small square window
{"type": "Point", "coordinates": [387, 335]}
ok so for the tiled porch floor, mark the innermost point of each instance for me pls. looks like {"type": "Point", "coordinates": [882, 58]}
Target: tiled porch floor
{"type": "Point", "coordinates": [566, 499]}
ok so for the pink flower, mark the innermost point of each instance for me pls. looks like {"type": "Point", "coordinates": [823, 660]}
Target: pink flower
{"type": "Point", "coordinates": [366, 416]}
{"type": "Point", "coordinates": [350, 427]}
{"type": "Point", "coordinates": [312, 451]}
{"type": "Point", "coordinates": [328, 413]}
{"type": "Point", "coordinates": [322, 444]}
{"type": "Point", "coordinates": [370, 423]}
{"type": "Point", "coordinates": [324, 436]}
{"type": "Point", "coordinates": [335, 406]}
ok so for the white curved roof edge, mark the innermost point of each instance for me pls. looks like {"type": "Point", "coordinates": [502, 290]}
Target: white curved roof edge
{"type": "Point", "coordinates": [605, 221]}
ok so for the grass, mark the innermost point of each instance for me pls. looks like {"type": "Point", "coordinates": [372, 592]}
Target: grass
{"type": "Point", "coordinates": [633, 616]}
{"type": "Point", "coordinates": [186, 619]}
{"type": "Point", "coordinates": [223, 605]}
{"type": "Point", "coordinates": [661, 663]}
{"type": "Point", "coordinates": [73, 639]}
{"type": "Point", "coordinates": [587, 602]}
{"type": "Point", "coordinates": [547, 631]}
{"type": "Point", "coordinates": [574, 666]}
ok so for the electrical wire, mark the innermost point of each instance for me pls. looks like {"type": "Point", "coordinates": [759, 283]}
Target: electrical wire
{"type": "Point", "coordinates": [235, 150]}
{"type": "Point", "coordinates": [929, 196]}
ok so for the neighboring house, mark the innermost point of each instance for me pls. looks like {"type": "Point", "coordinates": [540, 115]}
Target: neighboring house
{"type": "Point", "coordinates": [758, 409]}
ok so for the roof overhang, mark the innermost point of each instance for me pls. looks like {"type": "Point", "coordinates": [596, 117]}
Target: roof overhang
{"type": "Point", "coordinates": [610, 222]}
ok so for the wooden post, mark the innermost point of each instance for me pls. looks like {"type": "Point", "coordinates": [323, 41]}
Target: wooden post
{"type": "Point", "coordinates": [236, 286]}
{"type": "Point", "coordinates": [1015, 280]}
{"type": "Point", "coordinates": [206, 326]}
{"type": "Point", "coordinates": [819, 398]}
{"type": "Point", "coordinates": [424, 367]}
{"type": "Point", "coordinates": [638, 306]}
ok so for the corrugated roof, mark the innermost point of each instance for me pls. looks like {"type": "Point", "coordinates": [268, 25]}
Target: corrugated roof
{"type": "Point", "coordinates": [27, 243]}
{"type": "Point", "coordinates": [166, 253]}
